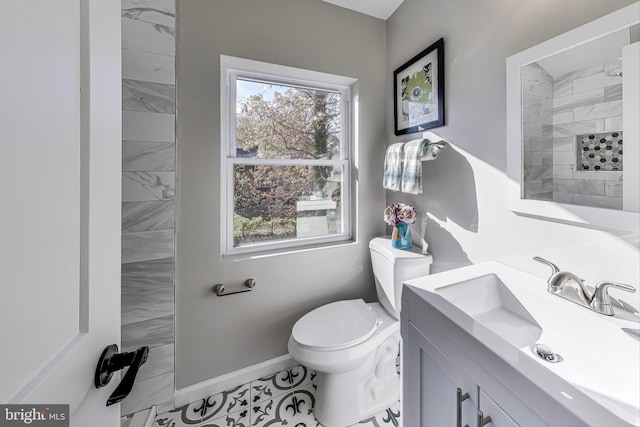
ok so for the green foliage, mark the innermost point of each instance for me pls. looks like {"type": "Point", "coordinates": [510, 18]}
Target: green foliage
{"type": "Point", "coordinates": [257, 229]}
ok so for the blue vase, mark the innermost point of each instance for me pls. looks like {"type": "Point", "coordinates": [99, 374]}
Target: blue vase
{"type": "Point", "coordinates": [401, 236]}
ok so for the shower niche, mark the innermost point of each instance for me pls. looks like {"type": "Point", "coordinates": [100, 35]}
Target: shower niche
{"type": "Point", "coordinates": [600, 152]}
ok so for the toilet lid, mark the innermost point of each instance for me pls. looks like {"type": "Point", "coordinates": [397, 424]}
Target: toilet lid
{"type": "Point", "coordinates": [335, 326]}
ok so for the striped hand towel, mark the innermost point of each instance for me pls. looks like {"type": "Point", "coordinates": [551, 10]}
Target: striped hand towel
{"type": "Point", "coordinates": [393, 166]}
{"type": "Point", "coordinates": [412, 174]}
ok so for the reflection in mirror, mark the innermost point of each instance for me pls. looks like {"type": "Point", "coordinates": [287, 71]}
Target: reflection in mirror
{"type": "Point", "coordinates": [573, 129]}
{"type": "Point", "coordinates": [573, 133]}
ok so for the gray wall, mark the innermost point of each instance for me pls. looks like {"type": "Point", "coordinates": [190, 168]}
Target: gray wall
{"type": "Point", "coordinates": [215, 336]}
{"type": "Point", "coordinates": [148, 193]}
{"type": "Point", "coordinates": [465, 188]}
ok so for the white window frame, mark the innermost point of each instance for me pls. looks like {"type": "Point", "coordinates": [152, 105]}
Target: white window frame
{"type": "Point", "coordinates": [231, 69]}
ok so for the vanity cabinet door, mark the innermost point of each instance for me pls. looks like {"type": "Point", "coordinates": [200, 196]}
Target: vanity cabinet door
{"type": "Point", "coordinates": [499, 418]}
{"type": "Point", "coordinates": [431, 382]}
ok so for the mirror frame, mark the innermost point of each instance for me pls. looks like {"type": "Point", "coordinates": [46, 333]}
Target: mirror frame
{"type": "Point", "coordinates": [600, 217]}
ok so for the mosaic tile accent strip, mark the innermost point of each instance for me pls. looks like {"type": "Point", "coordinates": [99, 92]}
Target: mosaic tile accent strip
{"type": "Point", "coordinates": [286, 398]}
{"type": "Point", "coordinates": [600, 151]}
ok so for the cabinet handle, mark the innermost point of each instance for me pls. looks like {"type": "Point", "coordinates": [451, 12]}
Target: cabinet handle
{"type": "Point", "coordinates": [481, 420]}
{"type": "Point", "coordinates": [459, 399]}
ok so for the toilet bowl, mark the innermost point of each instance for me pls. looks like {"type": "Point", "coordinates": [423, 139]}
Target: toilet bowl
{"type": "Point", "coordinates": [353, 345]}
{"type": "Point", "coordinates": [356, 367]}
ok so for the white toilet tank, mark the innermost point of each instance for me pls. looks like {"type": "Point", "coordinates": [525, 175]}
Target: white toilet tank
{"type": "Point", "coordinates": [392, 267]}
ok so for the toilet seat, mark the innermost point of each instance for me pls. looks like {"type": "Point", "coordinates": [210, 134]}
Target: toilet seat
{"type": "Point", "coordinates": [336, 326]}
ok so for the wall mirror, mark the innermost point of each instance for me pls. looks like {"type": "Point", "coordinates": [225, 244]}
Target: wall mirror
{"type": "Point", "coordinates": [573, 127]}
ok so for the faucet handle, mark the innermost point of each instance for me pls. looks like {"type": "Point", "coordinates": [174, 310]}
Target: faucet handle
{"type": "Point", "coordinates": [601, 301]}
{"type": "Point", "coordinates": [554, 268]}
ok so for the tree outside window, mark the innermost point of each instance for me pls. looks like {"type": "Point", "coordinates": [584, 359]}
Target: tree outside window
{"type": "Point", "coordinates": [288, 164]}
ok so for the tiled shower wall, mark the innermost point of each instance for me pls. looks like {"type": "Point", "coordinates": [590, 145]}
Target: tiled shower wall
{"type": "Point", "coordinates": [148, 193]}
{"type": "Point", "coordinates": [586, 101]}
{"type": "Point", "coordinates": [582, 102]}
{"type": "Point", "coordinates": [537, 131]}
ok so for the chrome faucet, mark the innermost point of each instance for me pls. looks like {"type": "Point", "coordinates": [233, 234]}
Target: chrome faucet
{"type": "Point", "coordinates": [558, 280]}
{"type": "Point", "coordinates": [601, 301]}
{"type": "Point", "coordinates": [598, 301]}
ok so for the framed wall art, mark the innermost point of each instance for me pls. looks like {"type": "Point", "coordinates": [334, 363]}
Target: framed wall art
{"type": "Point", "coordinates": [418, 91]}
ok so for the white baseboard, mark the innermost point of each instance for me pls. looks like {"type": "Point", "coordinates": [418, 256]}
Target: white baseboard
{"type": "Point", "coordinates": [233, 379]}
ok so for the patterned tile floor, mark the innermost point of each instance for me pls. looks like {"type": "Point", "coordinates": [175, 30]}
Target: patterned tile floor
{"type": "Point", "coordinates": [286, 398]}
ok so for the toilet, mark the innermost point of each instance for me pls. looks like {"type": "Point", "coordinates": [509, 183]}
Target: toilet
{"type": "Point", "coordinates": [353, 345]}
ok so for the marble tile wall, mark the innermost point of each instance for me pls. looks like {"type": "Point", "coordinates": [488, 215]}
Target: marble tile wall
{"type": "Point", "coordinates": [537, 92]}
{"type": "Point", "coordinates": [148, 194]}
{"type": "Point", "coordinates": [586, 101]}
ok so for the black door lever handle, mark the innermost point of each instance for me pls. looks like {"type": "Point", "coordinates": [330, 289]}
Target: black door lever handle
{"type": "Point", "coordinates": [111, 361]}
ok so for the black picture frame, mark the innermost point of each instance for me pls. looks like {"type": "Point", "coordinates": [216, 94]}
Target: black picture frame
{"type": "Point", "coordinates": [418, 94]}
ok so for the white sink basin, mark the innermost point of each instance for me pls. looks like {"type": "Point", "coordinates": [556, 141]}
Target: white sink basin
{"type": "Point", "coordinates": [633, 333]}
{"type": "Point", "coordinates": [509, 310]}
{"type": "Point", "coordinates": [490, 302]}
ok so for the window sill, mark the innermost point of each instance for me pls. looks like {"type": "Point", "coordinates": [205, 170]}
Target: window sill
{"type": "Point", "coordinates": [286, 251]}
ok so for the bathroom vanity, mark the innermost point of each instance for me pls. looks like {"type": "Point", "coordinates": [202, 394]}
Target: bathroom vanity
{"type": "Point", "coordinates": [470, 356]}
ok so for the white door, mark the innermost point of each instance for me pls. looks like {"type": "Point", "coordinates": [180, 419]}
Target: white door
{"type": "Point", "coordinates": [60, 132]}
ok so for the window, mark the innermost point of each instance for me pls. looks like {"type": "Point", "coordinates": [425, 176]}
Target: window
{"type": "Point", "coordinates": [285, 156]}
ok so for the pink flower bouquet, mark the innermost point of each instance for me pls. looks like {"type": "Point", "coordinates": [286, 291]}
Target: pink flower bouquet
{"type": "Point", "coordinates": [399, 212]}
